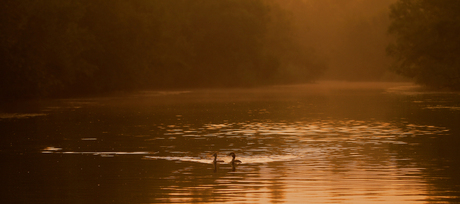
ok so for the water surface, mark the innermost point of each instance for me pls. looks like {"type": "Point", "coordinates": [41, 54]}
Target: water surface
{"type": "Point", "coordinates": [321, 143]}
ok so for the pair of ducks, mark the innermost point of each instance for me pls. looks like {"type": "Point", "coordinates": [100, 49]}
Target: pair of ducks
{"type": "Point", "coordinates": [234, 161]}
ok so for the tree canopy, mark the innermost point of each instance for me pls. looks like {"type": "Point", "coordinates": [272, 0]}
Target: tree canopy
{"type": "Point", "coordinates": [427, 41]}
{"type": "Point", "coordinates": [51, 48]}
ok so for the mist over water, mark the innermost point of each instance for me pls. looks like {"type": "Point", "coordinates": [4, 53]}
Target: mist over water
{"type": "Point", "coordinates": [324, 142]}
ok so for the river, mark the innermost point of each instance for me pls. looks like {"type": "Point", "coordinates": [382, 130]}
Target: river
{"type": "Point", "coordinates": [329, 142]}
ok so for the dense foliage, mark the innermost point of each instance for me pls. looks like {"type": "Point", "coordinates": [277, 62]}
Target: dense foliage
{"type": "Point", "coordinates": [427, 41]}
{"type": "Point", "coordinates": [50, 48]}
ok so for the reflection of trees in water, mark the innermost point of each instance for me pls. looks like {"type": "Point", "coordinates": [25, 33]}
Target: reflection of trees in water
{"type": "Point", "coordinates": [437, 157]}
{"type": "Point", "coordinates": [436, 153]}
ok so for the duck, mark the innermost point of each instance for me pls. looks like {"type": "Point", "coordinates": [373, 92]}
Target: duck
{"type": "Point", "coordinates": [234, 161]}
{"type": "Point", "coordinates": [215, 158]}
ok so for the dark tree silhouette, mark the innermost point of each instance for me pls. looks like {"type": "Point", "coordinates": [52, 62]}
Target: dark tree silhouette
{"type": "Point", "coordinates": [74, 47]}
{"type": "Point", "coordinates": [427, 41]}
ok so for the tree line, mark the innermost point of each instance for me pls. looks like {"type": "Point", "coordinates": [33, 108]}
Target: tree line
{"type": "Point", "coordinates": [72, 47]}
{"type": "Point", "coordinates": [426, 43]}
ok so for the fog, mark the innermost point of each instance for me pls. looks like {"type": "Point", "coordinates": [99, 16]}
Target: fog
{"type": "Point", "coordinates": [351, 35]}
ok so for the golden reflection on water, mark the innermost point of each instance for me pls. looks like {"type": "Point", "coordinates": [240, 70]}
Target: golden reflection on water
{"type": "Point", "coordinates": [324, 161]}
{"type": "Point", "coordinates": [303, 145]}
{"type": "Point", "coordinates": [295, 160]}
{"type": "Point", "coordinates": [319, 162]}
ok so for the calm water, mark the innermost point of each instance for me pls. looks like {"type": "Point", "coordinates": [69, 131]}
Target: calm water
{"type": "Point", "coordinates": [320, 143]}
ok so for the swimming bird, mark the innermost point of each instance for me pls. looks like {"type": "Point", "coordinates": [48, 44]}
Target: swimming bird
{"type": "Point", "coordinates": [233, 159]}
{"type": "Point", "coordinates": [215, 158]}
